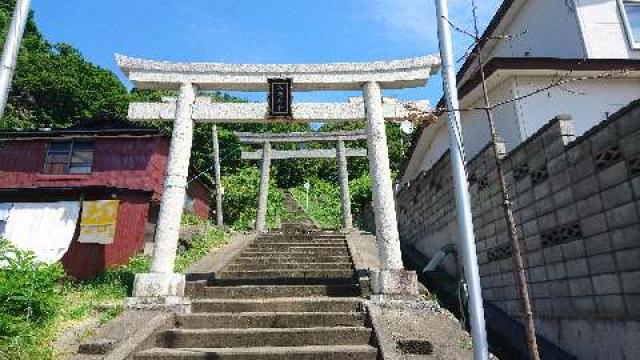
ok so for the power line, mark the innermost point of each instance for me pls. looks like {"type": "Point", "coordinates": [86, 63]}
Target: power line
{"type": "Point", "coordinates": [208, 169]}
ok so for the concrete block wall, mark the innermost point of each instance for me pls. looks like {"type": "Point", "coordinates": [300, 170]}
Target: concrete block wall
{"type": "Point", "coordinates": [577, 206]}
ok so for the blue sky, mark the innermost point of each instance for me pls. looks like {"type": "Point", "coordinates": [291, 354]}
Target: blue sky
{"type": "Point", "coordinates": [256, 31]}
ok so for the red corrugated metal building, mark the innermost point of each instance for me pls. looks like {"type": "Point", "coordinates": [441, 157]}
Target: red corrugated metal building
{"type": "Point", "coordinates": [96, 162]}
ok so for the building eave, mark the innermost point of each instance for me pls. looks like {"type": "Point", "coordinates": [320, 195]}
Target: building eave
{"type": "Point", "coordinates": [555, 67]}
{"type": "Point", "coordinates": [28, 134]}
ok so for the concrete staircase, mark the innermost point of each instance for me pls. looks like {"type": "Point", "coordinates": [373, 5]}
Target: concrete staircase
{"type": "Point", "coordinates": [286, 296]}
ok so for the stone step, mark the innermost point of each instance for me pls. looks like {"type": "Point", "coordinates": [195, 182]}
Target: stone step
{"type": "Point", "coordinates": [284, 281]}
{"type": "Point", "coordinates": [304, 304]}
{"type": "Point", "coordinates": [318, 352]}
{"type": "Point", "coordinates": [286, 273]}
{"type": "Point", "coordinates": [300, 237]}
{"type": "Point", "coordinates": [271, 288]}
{"type": "Point", "coordinates": [273, 291]}
{"type": "Point", "coordinates": [291, 266]}
{"type": "Point", "coordinates": [269, 320]}
{"type": "Point", "coordinates": [300, 245]}
{"type": "Point", "coordinates": [280, 245]}
{"type": "Point", "coordinates": [298, 240]}
{"type": "Point", "coordinates": [257, 337]}
{"type": "Point", "coordinates": [331, 251]}
{"type": "Point", "coordinates": [304, 258]}
{"type": "Point", "coordinates": [341, 250]}
{"type": "Point", "coordinates": [280, 280]}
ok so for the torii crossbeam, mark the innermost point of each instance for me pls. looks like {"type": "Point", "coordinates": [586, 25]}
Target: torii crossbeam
{"type": "Point", "coordinates": [303, 154]}
{"type": "Point", "coordinates": [340, 153]}
{"type": "Point", "coordinates": [205, 111]}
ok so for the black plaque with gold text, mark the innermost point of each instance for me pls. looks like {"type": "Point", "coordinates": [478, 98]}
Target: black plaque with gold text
{"type": "Point", "coordinates": [280, 98]}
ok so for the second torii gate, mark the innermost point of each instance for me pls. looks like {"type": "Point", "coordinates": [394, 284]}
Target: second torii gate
{"type": "Point", "coordinates": [340, 153]}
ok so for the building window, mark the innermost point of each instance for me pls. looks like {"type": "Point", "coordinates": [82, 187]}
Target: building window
{"type": "Point", "coordinates": [69, 157]}
{"type": "Point", "coordinates": [631, 19]}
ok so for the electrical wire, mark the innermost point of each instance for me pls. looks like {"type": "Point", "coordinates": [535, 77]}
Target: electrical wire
{"type": "Point", "coordinates": [208, 169]}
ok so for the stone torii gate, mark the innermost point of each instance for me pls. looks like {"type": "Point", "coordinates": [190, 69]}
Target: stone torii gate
{"type": "Point", "coordinates": [164, 287]}
{"type": "Point", "coordinates": [340, 153]}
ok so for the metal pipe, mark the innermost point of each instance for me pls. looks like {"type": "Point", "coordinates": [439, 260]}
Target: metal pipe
{"type": "Point", "coordinates": [438, 258]}
{"type": "Point", "coordinates": [11, 49]}
{"type": "Point", "coordinates": [461, 187]}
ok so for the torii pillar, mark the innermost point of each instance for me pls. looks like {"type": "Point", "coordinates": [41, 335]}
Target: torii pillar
{"type": "Point", "coordinates": [263, 195]}
{"type": "Point", "coordinates": [343, 177]}
{"type": "Point", "coordinates": [392, 278]}
{"type": "Point", "coordinates": [161, 281]}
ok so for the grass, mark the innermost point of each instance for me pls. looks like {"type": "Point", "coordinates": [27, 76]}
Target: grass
{"type": "Point", "coordinates": [240, 200]}
{"type": "Point", "coordinates": [324, 204]}
{"type": "Point", "coordinates": [201, 245]}
{"type": "Point", "coordinates": [86, 299]}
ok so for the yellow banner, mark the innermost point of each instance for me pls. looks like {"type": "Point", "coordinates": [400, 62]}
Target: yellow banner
{"type": "Point", "coordinates": [98, 221]}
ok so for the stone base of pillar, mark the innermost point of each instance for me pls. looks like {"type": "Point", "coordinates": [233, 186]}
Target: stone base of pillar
{"type": "Point", "coordinates": [348, 230]}
{"type": "Point", "coordinates": [394, 283]}
{"type": "Point", "coordinates": [174, 304]}
{"type": "Point", "coordinates": [154, 291]}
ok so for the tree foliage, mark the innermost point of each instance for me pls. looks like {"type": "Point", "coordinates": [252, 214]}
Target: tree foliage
{"type": "Point", "coordinates": [54, 86]}
{"type": "Point", "coordinates": [240, 199]}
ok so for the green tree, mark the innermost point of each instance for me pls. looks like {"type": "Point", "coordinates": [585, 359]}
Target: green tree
{"type": "Point", "coordinates": [54, 86]}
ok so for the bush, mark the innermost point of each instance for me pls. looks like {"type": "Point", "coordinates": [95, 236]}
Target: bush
{"type": "Point", "coordinates": [360, 190]}
{"type": "Point", "coordinates": [241, 199]}
{"type": "Point", "coordinates": [30, 298]}
{"type": "Point", "coordinates": [189, 218]}
{"type": "Point", "coordinates": [28, 289]}
{"type": "Point", "coordinates": [324, 203]}
{"type": "Point", "coordinates": [325, 206]}
{"type": "Point", "coordinates": [117, 282]}
{"type": "Point", "coordinates": [199, 247]}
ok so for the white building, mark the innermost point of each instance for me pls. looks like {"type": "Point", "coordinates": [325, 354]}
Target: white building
{"type": "Point", "coordinates": [549, 40]}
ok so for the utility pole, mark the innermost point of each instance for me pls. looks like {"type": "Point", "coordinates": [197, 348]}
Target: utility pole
{"type": "Point", "coordinates": [216, 175]}
{"type": "Point", "coordinates": [520, 275]}
{"type": "Point", "coordinates": [11, 49]}
{"type": "Point", "coordinates": [461, 187]}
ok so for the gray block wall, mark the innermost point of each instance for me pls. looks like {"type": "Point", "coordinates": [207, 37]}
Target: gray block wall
{"type": "Point", "coordinates": [577, 205]}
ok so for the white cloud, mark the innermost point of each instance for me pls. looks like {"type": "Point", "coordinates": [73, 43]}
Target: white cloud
{"type": "Point", "coordinates": [404, 20]}
{"type": "Point", "coordinates": [414, 21]}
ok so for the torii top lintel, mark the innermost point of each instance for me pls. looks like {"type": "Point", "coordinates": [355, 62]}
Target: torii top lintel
{"type": "Point", "coordinates": [395, 74]}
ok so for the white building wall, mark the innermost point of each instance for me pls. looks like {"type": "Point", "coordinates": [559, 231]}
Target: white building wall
{"type": "Point", "coordinates": [437, 146]}
{"type": "Point", "coordinates": [475, 128]}
{"type": "Point", "coordinates": [588, 102]}
{"type": "Point", "coordinates": [603, 29]}
{"type": "Point", "coordinates": [542, 28]}
{"type": "Point", "coordinates": [475, 131]}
